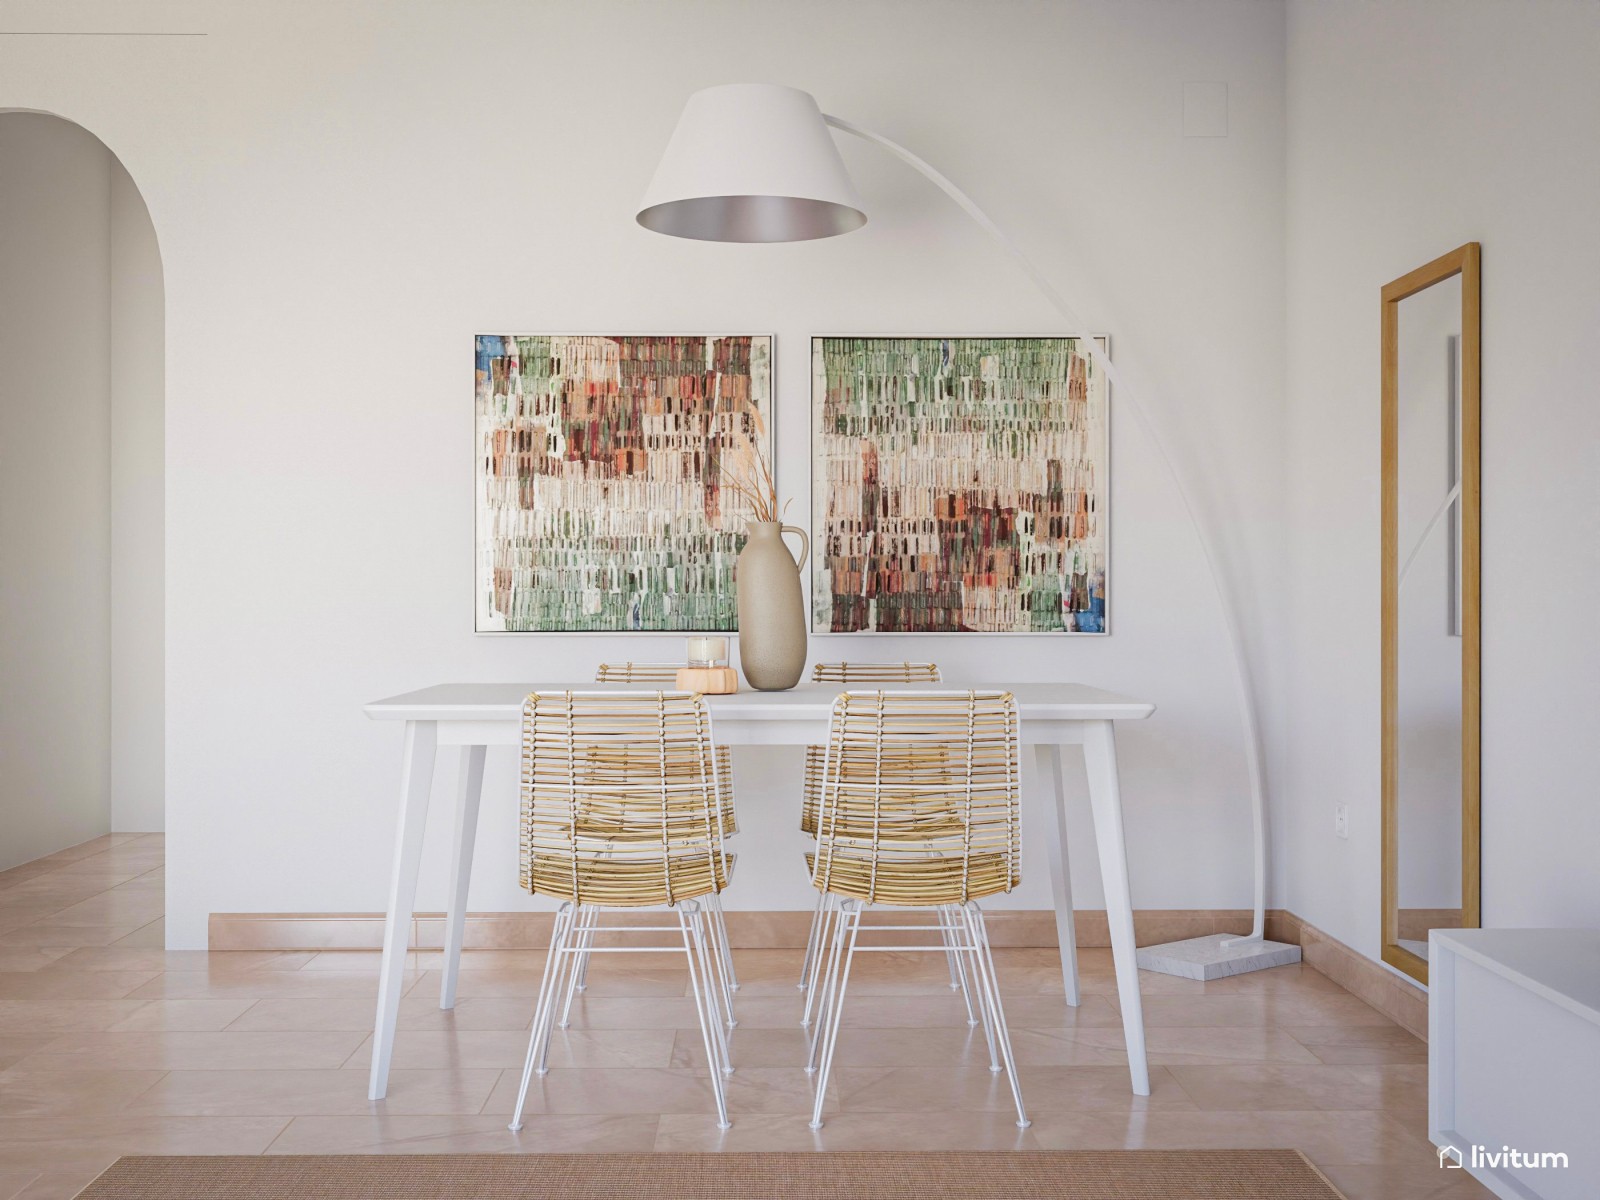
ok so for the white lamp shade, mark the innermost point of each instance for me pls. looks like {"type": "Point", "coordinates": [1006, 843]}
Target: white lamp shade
{"type": "Point", "coordinates": [751, 162]}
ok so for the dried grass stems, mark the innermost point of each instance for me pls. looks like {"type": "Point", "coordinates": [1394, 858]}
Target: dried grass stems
{"type": "Point", "coordinates": [757, 487]}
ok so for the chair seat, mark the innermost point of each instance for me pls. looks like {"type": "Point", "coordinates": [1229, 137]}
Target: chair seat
{"type": "Point", "coordinates": [630, 882]}
{"type": "Point", "coordinates": [916, 882]}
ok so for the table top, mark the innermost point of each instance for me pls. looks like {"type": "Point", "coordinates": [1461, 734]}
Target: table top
{"type": "Point", "coordinates": [503, 701]}
{"type": "Point", "coordinates": [1562, 965]}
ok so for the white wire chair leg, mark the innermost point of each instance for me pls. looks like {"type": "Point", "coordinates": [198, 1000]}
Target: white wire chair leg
{"type": "Point", "coordinates": [583, 938]}
{"type": "Point", "coordinates": [849, 926]}
{"type": "Point", "coordinates": [962, 932]}
{"type": "Point", "coordinates": [950, 926]}
{"type": "Point", "coordinates": [950, 956]}
{"type": "Point", "coordinates": [824, 980]}
{"type": "Point", "coordinates": [716, 983]}
{"type": "Point", "coordinates": [718, 977]}
{"type": "Point", "coordinates": [808, 966]}
{"type": "Point", "coordinates": [720, 962]}
{"type": "Point", "coordinates": [718, 924]}
{"type": "Point", "coordinates": [694, 945]}
{"type": "Point", "coordinates": [560, 985]}
{"type": "Point", "coordinates": [715, 992]}
{"type": "Point", "coordinates": [989, 986]}
{"type": "Point", "coordinates": [588, 941]}
{"type": "Point", "coordinates": [546, 1001]}
{"type": "Point", "coordinates": [827, 907]}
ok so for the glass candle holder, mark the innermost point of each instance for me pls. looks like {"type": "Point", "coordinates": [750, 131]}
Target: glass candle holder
{"type": "Point", "coordinates": [708, 651]}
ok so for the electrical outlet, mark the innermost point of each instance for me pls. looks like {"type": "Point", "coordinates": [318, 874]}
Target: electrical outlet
{"type": "Point", "coordinates": [1341, 821]}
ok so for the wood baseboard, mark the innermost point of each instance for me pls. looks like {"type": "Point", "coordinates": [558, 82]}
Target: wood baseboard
{"type": "Point", "coordinates": [1399, 999]}
{"type": "Point", "coordinates": [1396, 997]}
{"type": "Point", "coordinates": [531, 931]}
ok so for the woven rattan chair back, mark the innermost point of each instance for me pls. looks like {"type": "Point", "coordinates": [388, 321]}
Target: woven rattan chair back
{"type": "Point", "coordinates": [633, 672]}
{"type": "Point", "coordinates": [621, 798]}
{"type": "Point", "coordinates": [902, 672]}
{"type": "Point", "coordinates": [667, 673]}
{"type": "Point", "coordinates": [847, 672]}
{"type": "Point", "coordinates": [920, 800]}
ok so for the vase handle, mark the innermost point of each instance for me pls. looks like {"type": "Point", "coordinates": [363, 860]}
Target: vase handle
{"type": "Point", "coordinates": [805, 543]}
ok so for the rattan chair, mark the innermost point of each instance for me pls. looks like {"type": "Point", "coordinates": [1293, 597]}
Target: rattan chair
{"type": "Point", "coordinates": [716, 922]}
{"type": "Point", "coordinates": [667, 673]}
{"type": "Point", "coordinates": [632, 672]}
{"type": "Point", "coordinates": [621, 808]}
{"type": "Point", "coordinates": [901, 672]}
{"type": "Point", "coordinates": [846, 672]}
{"type": "Point", "coordinates": [919, 808]}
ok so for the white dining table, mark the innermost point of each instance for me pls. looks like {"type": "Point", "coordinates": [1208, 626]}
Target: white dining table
{"type": "Point", "coordinates": [475, 716]}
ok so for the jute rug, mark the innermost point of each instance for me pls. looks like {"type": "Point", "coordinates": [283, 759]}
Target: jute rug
{"type": "Point", "coordinates": [1057, 1175]}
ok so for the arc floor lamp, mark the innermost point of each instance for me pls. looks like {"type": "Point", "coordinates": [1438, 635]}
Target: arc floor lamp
{"type": "Point", "coordinates": [754, 162]}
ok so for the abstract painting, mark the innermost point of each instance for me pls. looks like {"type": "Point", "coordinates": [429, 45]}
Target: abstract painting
{"type": "Point", "coordinates": [960, 485]}
{"type": "Point", "coordinates": [602, 468]}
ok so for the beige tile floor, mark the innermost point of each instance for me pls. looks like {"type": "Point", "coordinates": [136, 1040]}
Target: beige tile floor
{"type": "Point", "coordinates": [110, 1045]}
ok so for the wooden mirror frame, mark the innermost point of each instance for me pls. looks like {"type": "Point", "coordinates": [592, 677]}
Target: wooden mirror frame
{"type": "Point", "coordinates": [1465, 262]}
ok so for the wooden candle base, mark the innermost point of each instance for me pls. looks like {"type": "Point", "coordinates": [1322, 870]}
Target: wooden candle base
{"type": "Point", "coordinates": [712, 681]}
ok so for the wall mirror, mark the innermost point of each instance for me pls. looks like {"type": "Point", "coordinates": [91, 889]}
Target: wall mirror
{"type": "Point", "coordinates": [1430, 605]}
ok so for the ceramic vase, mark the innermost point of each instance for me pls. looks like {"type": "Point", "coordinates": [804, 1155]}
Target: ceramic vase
{"type": "Point", "coordinates": [772, 617]}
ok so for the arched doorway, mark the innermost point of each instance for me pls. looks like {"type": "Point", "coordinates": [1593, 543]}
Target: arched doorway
{"type": "Point", "coordinates": [81, 493]}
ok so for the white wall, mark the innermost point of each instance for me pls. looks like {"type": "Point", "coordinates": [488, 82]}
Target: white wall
{"type": "Point", "coordinates": [346, 192]}
{"type": "Point", "coordinates": [138, 742]}
{"type": "Point", "coordinates": [55, 527]}
{"type": "Point", "coordinates": [1413, 128]}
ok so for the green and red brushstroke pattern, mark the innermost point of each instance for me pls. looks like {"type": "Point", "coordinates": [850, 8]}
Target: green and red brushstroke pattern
{"type": "Point", "coordinates": [602, 502]}
{"type": "Point", "coordinates": [960, 486]}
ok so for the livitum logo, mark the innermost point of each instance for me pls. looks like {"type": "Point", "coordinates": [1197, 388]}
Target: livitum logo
{"type": "Point", "coordinates": [1505, 1158]}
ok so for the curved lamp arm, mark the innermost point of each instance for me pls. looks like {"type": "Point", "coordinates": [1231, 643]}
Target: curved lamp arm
{"type": "Point", "coordinates": [1245, 692]}
{"type": "Point", "coordinates": [1450, 498]}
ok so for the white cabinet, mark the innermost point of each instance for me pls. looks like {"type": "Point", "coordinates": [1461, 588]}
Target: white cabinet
{"type": "Point", "coordinates": [1514, 1058]}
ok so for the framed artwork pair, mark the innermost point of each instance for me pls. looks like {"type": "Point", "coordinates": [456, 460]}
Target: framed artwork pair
{"type": "Point", "coordinates": [958, 484]}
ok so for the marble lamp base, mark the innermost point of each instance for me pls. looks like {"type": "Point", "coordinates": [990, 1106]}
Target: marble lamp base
{"type": "Point", "coordinates": [1207, 958]}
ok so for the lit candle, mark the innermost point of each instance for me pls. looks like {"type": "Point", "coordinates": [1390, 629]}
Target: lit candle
{"type": "Point", "coordinates": [707, 651]}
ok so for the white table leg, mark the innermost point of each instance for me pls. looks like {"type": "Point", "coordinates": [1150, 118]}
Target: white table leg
{"type": "Point", "coordinates": [467, 795]}
{"type": "Point", "coordinates": [1100, 761]}
{"type": "Point", "coordinates": [416, 780]}
{"type": "Point", "coordinates": [1048, 757]}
